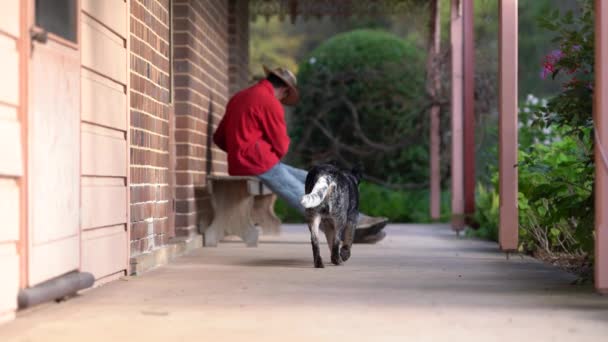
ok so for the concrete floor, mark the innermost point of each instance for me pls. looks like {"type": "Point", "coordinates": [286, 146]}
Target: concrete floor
{"type": "Point", "coordinates": [421, 283]}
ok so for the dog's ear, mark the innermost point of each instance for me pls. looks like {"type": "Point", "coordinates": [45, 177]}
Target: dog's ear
{"type": "Point", "coordinates": [357, 171]}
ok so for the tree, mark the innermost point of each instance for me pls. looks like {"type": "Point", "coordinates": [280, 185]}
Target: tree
{"type": "Point", "coordinates": [363, 100]}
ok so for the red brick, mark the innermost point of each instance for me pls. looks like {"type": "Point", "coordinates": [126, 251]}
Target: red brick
{"type": "Point", "coordinates": [139, 230]}
{"type": "Point", "coordinates": [211, 58]}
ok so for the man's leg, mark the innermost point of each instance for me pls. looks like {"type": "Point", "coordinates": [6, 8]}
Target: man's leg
{"type": "Point", "coordinates": [285, 185]}
{"type": "Point", "coordinates": [298, 173]}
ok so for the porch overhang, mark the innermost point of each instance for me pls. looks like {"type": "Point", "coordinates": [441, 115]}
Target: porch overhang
{"type": "Point", "coordinates": [326, 8]}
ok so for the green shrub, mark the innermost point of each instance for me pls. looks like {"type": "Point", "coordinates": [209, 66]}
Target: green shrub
{"type": "Point", "coordinates": [286, 213]}
{"type": "Point", "coordinates": [398, 206]}
{"type": "Point", "coordinates": [555, 189]}
{"type": "Point", "coordinates": [486, 213]}
{"type": "Point", "coordinates": [556, 166]}
{"type": "Point", "coordinates": [557, 177]}
{"type": "Point", "coordinates": [556, 207]}
{"type": "Point", "coordinates": [381, 76]}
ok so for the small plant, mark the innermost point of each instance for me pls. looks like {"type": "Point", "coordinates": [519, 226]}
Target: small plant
{"type": "Point", "coordinates": [486, 214]}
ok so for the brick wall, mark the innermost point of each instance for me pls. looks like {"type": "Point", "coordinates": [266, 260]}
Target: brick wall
{"type": "Point", "coordinates": [201, 92]}
{"type": "Point", "coordinates": [238, 39]}
{"type": "Point", "coordinates": [210, 62]}
{"type": "Point", "coordinates": [150, 108]}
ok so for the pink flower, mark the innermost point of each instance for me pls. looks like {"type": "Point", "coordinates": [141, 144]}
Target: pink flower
{"type": "Point", "coordinates": [556, 55]}
{"type": "Point", "coordinates": [549, 63]}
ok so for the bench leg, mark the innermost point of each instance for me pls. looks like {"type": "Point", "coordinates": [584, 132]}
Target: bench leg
{"type": "Point", "coordinates": [250, 236]}
{"type": "Point", "coordinates": [211, 236]}
{"type": "Point", "coordinates": [232, 207]}
{"type": "Point", "coordinates": [263, 214]}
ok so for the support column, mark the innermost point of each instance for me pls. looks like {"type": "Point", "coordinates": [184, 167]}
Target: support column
{"type": "Point", "coordinates": [434, 87]}
{"type": "Point", "coordinates": [601, 149]}
{"type": "Point", "coordinates": [507, 125]}
{"type": "Point", "coordinates": [469, 108]}
{"type": "Point", "coordinates": [456, 32]}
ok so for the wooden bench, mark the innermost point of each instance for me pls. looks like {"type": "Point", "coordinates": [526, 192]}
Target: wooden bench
{"type": "Point", "coordinates": [242, 206]}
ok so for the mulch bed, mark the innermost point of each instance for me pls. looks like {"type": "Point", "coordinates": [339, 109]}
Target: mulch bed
{"type": "Point", "coordinates": [579, 265]}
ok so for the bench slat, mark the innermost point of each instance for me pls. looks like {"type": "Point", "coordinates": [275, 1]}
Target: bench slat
{"type": "Point", "coordinates": [254, 185]}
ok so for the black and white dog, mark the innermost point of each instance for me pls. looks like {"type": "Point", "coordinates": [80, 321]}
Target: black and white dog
{"type": "Point", "coordinates": [332, 205]}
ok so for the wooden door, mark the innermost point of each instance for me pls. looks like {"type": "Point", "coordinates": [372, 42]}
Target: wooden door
{"type": "Point", "coordinates": [54, 140]}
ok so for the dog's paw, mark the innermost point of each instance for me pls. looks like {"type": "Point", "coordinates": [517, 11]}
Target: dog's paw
{"type": "Point", "coordinates": [336, 259]}
{"type": "Point", "coordinates": [345, 253]}
{"type": "Point", "coordinates": [319, 264]}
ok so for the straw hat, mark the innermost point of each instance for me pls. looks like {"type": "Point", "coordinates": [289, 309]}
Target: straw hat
{"type": "Point", "coordinates": [290, 79]}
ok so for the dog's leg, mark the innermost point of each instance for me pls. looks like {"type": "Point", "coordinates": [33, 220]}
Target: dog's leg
{"type": "Point", "coordinates": [347, 244]}
{"type": "Point", "coordinates": [329, 233]}
{"type": "Point", "coordinates": [336, 259]}
{"type": "Point", "coordinates": [313, 225]}
{"type": "Point", "coordinates": [335, 245]}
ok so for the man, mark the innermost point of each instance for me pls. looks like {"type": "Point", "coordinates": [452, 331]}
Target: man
{"type": "Point", "coordinates": [254, 134]}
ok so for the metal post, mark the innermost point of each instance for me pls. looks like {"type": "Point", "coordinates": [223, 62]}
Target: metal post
{"type": "Point", "coordinates": [509, 223]}
{"type": "Point", "coordinates": [456, 32]}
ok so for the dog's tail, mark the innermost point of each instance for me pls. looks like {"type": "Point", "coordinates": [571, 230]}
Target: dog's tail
{"type": "Point", "coordinates": [318, 193]}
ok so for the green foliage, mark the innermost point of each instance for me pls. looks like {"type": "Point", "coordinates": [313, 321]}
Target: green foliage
{"type": "Point", "coordinates": [574, 60]}
{"type": "Point", "coordinates": [273, 45]}
{"type": "Point", "coordinates": [359, 50]}
{"type": "Point", "coordinates": [563, 198]}
{"type": "Point", "coordinates": [282, 43]}
{"type": "Point", "coordinates": [359, 90]}
{"type": "Point", "coordinates": [535, 43]}
{"type": "Point", "coordinates": [487, 213]}
{"type": "Point", "coordinates": [286, 213]}
{"type": "Point", "coordinates": [555, 204]}
{"type": "Point", "coordinates": [398, 206]}
{"type": "Point", "coordinates": [556, 171]}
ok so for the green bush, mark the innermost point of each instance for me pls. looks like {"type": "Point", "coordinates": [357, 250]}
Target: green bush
{"type": "Point", "coordinates": [556, 207]}
{"type": "Point", "coordinates": [555, 187]}
{"type": "Point", "coordinates": [557, 178]}
{"type": "Point", "coordinates": [398, 206]}
{"type": "Point", "coordinates": [286, 213]}
{"type": "Point", "coordinates": [363, 101]}
{"type": "Point", "coordinates": [486, 214]}
{"type": "Point", "coordinates": [556, 166]}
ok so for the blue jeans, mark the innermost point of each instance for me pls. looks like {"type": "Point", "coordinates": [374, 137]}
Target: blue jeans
{"type": "Point", "coordinates": [287, 182]}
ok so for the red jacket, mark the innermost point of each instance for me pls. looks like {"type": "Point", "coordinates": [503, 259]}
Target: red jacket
{"type": "Point", "coordinates": [253, 131]}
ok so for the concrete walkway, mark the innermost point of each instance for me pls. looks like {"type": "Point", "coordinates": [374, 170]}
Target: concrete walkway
{"type": "Point", "coordinates": [420, 284]}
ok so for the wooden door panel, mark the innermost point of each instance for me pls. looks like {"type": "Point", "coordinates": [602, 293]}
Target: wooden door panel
{"type": "Point", "coordinates": [54, 154]}
{"type": "Point", "coordinates": [53, 259]}
{"type": "Point", "coordinates": [55, 138]}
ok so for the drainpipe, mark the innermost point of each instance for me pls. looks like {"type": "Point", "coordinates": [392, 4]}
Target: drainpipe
{"type": "Point", "coordinates": [55, 289]}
